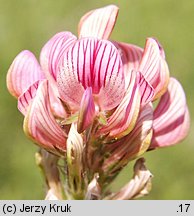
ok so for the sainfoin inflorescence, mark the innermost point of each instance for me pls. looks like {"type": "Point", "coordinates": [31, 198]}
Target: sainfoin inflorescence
{"type": "Point", "coordinates": [89, 103]}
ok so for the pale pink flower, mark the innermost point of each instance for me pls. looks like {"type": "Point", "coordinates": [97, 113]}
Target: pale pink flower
{"type": "Point", "coordinates": [105, 87]}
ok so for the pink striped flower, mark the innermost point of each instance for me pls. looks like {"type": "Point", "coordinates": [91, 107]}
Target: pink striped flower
{"type": "Point", "coordinates": [104, 88]}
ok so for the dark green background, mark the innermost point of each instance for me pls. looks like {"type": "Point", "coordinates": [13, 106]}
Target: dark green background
{"type": "Point", "coordinates": [28, 24]}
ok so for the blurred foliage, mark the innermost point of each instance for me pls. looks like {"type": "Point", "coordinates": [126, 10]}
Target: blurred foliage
{"type": "Point", "coordinates": [28, 24]}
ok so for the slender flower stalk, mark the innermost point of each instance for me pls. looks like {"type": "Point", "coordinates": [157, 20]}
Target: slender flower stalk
{"type": "Point", "coordinates": [89, 102]}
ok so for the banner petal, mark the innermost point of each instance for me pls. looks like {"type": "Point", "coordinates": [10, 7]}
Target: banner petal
{"type": "Point", "coordinates": [98, 23]}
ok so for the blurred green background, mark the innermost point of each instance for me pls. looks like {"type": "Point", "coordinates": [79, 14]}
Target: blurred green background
{"type": "Point", "coordinates": [28, 24]}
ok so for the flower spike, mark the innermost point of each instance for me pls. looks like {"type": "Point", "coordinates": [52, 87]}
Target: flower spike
{"type": "Point", "coordinates": [89, 107]}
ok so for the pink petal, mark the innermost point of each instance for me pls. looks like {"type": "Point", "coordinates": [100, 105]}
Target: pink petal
{"type": "Point", "coordinates": [40, 124]}
{"type": "Point", "coordinates": [138, 186]}
{"type": "Point", "coordinates": [23, 72]}
{"type": "Point", "coordinates": [25, 99]}
{"type": "Point", "coordinates": [131, 56]}
{"type": "Point", "coordinates": [154, 67]}
{"type": "Point", "coordinates": [87, 111]}
{"type": "Point", "coordinates": [171, 117]}
{"type": "Point", "coordinates": [146, 90]}
{"type": "Point", "coordinates": [122, 121]}
{"type": "Point", "coordinates": [56, 104]}
{"type": "Point", "coordinates": [132, 145]}
{"type": "Point", "coordinates": [98, 23]}
{"type": "Point", "coordinates": [92, 63]}
{"type": "Point", "coordinates": [53, 50]}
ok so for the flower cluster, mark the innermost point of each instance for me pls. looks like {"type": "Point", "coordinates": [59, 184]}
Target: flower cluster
{"type": "Point", "coordinates": [90, 102]}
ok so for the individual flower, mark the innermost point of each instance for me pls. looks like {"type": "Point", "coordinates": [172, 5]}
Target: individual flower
{"type": "Point", "coordinates": [91, 99]}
